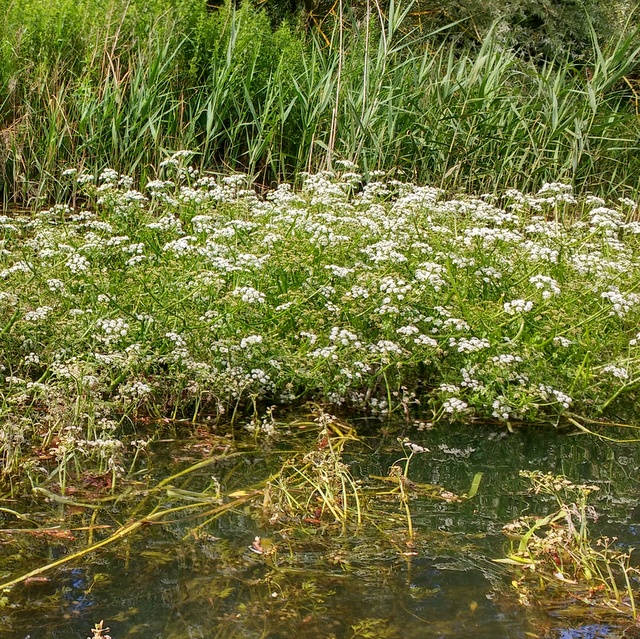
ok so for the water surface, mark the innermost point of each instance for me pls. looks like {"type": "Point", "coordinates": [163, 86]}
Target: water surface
{"type": "Point", "coordinates": [174, 581]}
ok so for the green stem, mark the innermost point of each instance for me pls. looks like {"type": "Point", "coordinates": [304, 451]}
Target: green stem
{"type": "Point", "coordinates": [121, 533]}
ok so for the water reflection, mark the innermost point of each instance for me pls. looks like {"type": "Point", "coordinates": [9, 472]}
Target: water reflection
{"type": "Point", "coordinates": [170, 584]}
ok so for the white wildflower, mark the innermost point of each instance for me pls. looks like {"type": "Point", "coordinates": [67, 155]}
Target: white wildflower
{"type": "Point", "coordinates": [167, 223]}
{"type": "Point", "coordinates": [454, 405]}
{"type": "Point", "coordinates": [621, 303]}
{"type": "Point", "coordinates": [547, 285]}
{"type": "Point", "coordinates": [408, 330]}
{"type": "Point", "coordinates": [625, 201]}
{"type": "Point", "coordinates": [77, 263]}
{"type": "Point", "coordinates": [547, 392]}
{"type": "Point", "coordinates": [385, 346]}
{"type": "Point", "coordinates": [10, 299]}
{"type": "Point", "coordinates": [501, 409]}
{"type": "Point", "coordinates": [39, 314]}
{"type": "Point", "coordinates": [312, 337]}
{"type": "Point", "coordinates": [616, 371]}
{"type": "Point", "coordinates": [85, 178]}
{"type": "Point", "coordinates": [356, 292]}
{"type": "Point", "coordinates": [456, 324]}
{"type": "Point", "coordinates": [55, 285]}
{"type": "Point", "coordinates": [249, 295]}
{"type": "Point", "coordinates": [250, 340]}
{"type": "Point", "coordinates": [517, 306]}
{"type": "Point", "coordinates": [391, 286]}
{"type": "Point", "coordinates": [344, 337]}
{"type": "Point", "coordinates": [468, 379]}
{"type": "Point", "coordinates": [433, 274]}
{"type": "Point", "coordinates": [177, 339]}
{"type": "Point", "coordinates": [425, 340]}
{"type": "Point", "coordinates": [506, 359]}
{"type": "Point", "coordinates": [488, 274]}
{"type": "Point", "coordinates": [592, 200]}
{"type": "Point", "coordinates": [260, 376]}
{"type": "Point", "coordinates": [181, 246]}
{"type": "Point", "coordinates": [111, 330]}
{"type": "Point", "coordinates": [339, 271]}
{"type": "Point", "coordinates": [324, 353]}
{"type": "Point", "coordinates": [471, 345]}
{"type": "Point", "coordinates": [108, 175]}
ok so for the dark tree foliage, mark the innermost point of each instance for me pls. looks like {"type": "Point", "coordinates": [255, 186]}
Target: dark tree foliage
{"type": "Point", "coordinates": [540, 28]}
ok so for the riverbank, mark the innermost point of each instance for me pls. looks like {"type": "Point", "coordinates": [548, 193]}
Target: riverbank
{"type": "Point", "coordinates": [196, 298]}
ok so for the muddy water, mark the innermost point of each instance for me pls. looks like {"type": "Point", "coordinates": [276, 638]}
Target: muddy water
{"type": "Point", "coordinates": [176, 581]}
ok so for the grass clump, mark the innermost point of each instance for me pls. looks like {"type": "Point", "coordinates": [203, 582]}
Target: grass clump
{"type": "Point", "coordinates": [197, 298]}
{"type": "Point", "coordinates": [117, 83]}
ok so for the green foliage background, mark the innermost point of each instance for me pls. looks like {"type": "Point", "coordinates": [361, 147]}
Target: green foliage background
{"type": "Point", "coordinates": [477, 95]}
{"type": "Point", "coordinates": [536, 27]}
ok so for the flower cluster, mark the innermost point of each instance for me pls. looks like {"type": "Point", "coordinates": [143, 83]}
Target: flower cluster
{"type": "Point", "coordinates": [203, 295]}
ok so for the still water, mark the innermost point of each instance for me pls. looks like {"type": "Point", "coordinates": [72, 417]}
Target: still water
{"type": "Point", "coordinates": [189, 579]}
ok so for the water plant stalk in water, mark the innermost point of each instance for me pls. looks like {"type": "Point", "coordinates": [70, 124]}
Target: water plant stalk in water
{"type": "Point", "coordinates": [558, 550]}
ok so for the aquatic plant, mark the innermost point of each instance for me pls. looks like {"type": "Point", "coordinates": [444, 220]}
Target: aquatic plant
{"type": "Point", "coordinates": [317, 487]}
{"type": "Point", "coordinates": [198, 298]}
{"type": "Point", "coordinates": [557, 549]}
{"type": "Point", "coordinates": [99, 631]}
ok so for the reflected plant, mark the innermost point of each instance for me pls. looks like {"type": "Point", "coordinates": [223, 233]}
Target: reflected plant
{"type": "Point", "coordinates": [558, 549]}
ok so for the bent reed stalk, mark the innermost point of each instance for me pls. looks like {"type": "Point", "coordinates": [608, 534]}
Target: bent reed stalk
{"type": "Point", "coordinates": [153, 516]}
{"type": "Point", "coordinates": [116, 84]}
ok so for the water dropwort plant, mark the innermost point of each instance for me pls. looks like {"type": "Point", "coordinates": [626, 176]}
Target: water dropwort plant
{"type": "Point", "coordinates": [197, 298]}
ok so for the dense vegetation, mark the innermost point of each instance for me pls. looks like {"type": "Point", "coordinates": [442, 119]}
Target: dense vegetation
{"type": "Point", "coordinates": [478, 96]}
{"type": "Point", "coordinates": [196, 298]}
{"type": "Point", "coordinates": [540, 28]}
{"type": "Point", "coordinates": [312, 243]}
{"type": "Point", "coordinates": [217, 213]}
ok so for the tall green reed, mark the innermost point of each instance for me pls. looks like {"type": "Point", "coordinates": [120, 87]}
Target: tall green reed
{"type": "Point", "coordinates": [118, 84]}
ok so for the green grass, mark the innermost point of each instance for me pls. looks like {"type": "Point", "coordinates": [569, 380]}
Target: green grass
{"type": "Point", "coordinates": [120, 83]}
